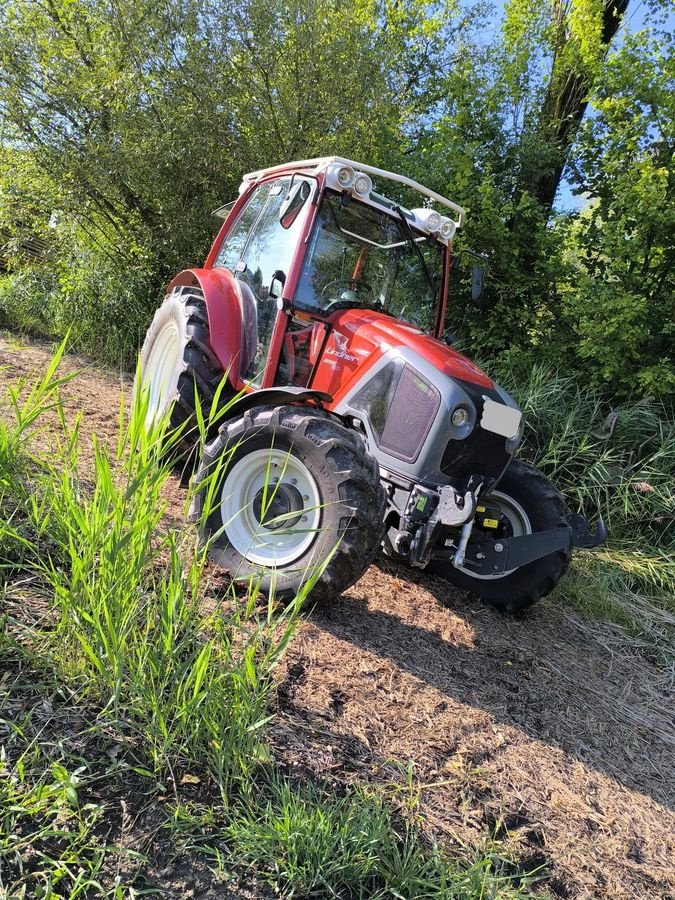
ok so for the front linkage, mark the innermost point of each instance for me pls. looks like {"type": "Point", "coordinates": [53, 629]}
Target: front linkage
{"type": "Point", "coordinates": [429, 514]}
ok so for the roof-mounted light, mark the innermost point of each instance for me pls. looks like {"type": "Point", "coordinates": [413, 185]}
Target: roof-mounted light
{"type": "Point", "coordinates": [362, 184]}
{"type": "Point", "coordinates": [345, 177]}
{"type": "Point", "coordinates": [447, 229]}
{"type": "Point", "coordinates": [430, 220]}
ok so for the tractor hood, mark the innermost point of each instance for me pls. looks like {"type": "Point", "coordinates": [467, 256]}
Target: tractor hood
{"type": "Point", "coordinates": [429, 414]}
{"type": "Point", "coordinates": [369, 334]}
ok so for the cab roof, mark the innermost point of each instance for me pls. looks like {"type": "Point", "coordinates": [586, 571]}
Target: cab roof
{"type": "Point", "coordinates": [323, 163]}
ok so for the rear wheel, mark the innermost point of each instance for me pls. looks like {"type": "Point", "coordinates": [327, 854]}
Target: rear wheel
{"type": "Point", "coordinates": [177, 363]}
{"type": "Point", "coordinates": [292, 486]}
{"type": "Point", "coordinates": [529, 503]}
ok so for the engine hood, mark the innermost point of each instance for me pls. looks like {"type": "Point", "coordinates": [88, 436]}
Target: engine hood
{"type": "Point", "coordinates": [369, 334]}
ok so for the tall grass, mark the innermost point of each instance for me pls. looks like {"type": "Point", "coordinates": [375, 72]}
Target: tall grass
{"type": "Point", "coordinates": [130, 632]}
{"type": "Point", "coordinates": [617, 461]}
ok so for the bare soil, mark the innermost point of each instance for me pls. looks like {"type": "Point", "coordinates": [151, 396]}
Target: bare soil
{"type": "Point", "coordinates": [548, 732]}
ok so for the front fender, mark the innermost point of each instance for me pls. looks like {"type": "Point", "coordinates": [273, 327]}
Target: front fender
{"type": "Point", "coordinates": [276, 396]}
{"type": "Point", "coordinates": [223, 307]}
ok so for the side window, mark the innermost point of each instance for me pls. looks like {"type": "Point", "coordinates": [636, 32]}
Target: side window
{"type": "Point", "coordinates": [270, 247]}
{"type": "Point", "coordinates": [258, 245]}
{"type": "Point", "coordinates": [256, 249]}
{"type": "Point", "coordinates": [233, 246]}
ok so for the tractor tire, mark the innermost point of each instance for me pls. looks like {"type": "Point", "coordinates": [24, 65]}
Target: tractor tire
{"type": "Point", "coordinates": [292, 485]}
{"type": "Point", "coordinates": [176, 360]}
{"type": "Point", "coordinates": [531, 503]}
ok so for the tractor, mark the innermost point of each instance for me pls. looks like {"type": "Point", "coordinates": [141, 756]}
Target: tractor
{"type": "Point", "coordinates": [351, 426]}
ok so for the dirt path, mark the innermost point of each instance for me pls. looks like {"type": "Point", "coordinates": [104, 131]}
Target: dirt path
{"type": "Point", "coordinates": [548, 731]}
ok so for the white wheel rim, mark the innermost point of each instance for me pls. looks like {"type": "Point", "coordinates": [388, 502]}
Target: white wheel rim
{"type": "Point", "coordinates": [280, 478]}
{"type": "Point", "coordinates": [520, 525]}
{"type": "Point", "coordinates": [159, 370]}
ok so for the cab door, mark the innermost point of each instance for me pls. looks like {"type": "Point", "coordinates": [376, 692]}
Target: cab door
{"type": "Point", "coordinates": [259, 250]}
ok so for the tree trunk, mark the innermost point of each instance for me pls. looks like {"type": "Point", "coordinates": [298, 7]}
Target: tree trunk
{"type": "Point", "coordinates": [566, 103]}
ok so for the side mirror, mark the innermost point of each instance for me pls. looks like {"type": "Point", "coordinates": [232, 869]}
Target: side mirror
{"type": "Point", "coordinates": [477, 279]}
{"type": "Point", "coordinates": [296, 199]}
{"type": "Point", "coordinates": [277, 283]}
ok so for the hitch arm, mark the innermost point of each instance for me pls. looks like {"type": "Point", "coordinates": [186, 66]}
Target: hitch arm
{"type": "Point", "coordinates": [582, 536]}
{"type": "Point", "coordinates": [504, 554]}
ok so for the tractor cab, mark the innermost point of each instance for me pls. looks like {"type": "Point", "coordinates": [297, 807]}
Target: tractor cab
{"type": "Point", "coordinates": [308, 240]}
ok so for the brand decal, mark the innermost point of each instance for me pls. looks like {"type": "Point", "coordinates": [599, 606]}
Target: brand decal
{"type": "Point", "coordinates": [339, 350]}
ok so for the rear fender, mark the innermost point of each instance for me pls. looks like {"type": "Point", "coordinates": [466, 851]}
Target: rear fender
{"type": "Point", "coordinates": [224, 313]}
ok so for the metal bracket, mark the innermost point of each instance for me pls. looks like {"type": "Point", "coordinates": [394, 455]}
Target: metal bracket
{"type": "Point", "coordinates": [505, 554]}
{"type": "Point", "coordinates": [454, 508]}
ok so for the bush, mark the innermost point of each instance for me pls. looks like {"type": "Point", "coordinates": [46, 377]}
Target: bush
{"type": "Point", "coordinates": [104, 309]}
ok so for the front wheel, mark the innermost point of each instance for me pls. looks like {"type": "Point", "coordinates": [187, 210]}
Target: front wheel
{"type": "Point", "coordinates": [529, 503]}
{"type": "Point", "coordinates": [288, 488]}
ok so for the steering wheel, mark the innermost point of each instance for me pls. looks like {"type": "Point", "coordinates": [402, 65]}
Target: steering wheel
{"type": "Point", "coordinates": [356, 285]}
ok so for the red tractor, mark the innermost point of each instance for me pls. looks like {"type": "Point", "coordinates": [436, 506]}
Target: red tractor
{"type": "Point", "coordinates": [355, 427]}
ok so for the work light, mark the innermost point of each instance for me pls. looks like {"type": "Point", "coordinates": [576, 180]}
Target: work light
{"type": "Point", "coordinates": [447, 229]}
{"type": "Point", "coordinates": [362, 184]}
{"type": "Point", "coordinates": [345, 177]}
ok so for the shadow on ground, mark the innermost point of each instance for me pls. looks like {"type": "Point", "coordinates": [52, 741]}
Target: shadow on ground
{"type": "Point", "coordinates": [546, 671]}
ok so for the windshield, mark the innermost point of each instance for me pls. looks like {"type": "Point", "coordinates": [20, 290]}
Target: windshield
{"type": "Point", "coordinates": [359, 256]}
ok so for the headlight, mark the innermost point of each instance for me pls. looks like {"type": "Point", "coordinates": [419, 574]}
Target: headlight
{"type": "Point", "coordinates": [459, 417]}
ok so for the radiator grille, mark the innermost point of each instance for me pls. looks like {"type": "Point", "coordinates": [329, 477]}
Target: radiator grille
{"type": "Point", "coordinates": [401, 406]}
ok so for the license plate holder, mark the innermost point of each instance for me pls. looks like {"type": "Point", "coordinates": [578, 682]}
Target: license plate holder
{"type": "Point", "coordinates": [500, 419]}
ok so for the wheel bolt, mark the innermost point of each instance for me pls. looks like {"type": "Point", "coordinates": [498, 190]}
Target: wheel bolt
{"type": "Point", "coordinates": [305, 496]}
{"type": "Point", "coordinates": [294, 480]}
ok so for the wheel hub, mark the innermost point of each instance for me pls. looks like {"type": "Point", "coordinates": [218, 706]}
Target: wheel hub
{"type": "Point", "coordinates": [281, 502]}
{"type": "Point", "coordinates": [270, 507]}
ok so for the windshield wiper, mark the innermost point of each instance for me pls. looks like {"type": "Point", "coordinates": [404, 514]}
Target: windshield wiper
{"type": "Point", "coordinates": [410, 235]}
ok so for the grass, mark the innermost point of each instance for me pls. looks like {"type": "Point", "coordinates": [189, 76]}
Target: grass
{"type": "Point", "coordinates": [617, 462]}
{"type": "Point", "coordinates": [124, 688]}
{"type": "Point", "coordinates": [50, 838]}
{"type": "Point", "coordinates": [309, 842]}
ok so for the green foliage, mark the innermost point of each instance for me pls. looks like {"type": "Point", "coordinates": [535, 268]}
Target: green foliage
{"type": "Point", "coordinates": [124, 126]}
{"type": "Point", "coordinates": [41, 819]}
{"type": "Point", "coordinates": [105, 311]}
{"type": "Point", "coordinates": [306, 841]}
{"type": "Point", "coordinates": [619, 292]}
{"type": "Point", "coordinates": [130, 626]}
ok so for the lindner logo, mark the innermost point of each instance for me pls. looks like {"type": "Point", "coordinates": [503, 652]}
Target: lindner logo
{"type": "Point", "coordinates": [340, 348]}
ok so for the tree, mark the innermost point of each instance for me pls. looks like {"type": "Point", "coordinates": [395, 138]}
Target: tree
{"type": "Point", "coordinates": [620, 293]}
